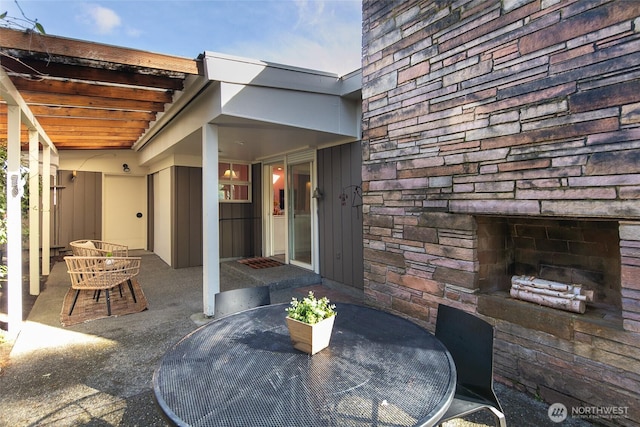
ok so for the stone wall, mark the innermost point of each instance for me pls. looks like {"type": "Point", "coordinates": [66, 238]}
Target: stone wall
{"type": "Point", "coordinates": [514, 108]}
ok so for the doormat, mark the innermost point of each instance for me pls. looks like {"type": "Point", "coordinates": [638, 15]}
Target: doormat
{"type": "Point", "coordinates": [260, 262]}
{"type": "Point", "coordinates": [87, 308]}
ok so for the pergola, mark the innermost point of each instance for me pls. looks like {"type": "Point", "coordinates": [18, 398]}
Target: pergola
{"type": "Point", "coordinates": [59, 94]}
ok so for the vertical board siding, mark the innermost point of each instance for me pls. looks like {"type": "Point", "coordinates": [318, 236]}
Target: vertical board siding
{"type": "Point", "coordinates": [340, 225]}
{"type": "Point", "coordinates": [241, 223]}
{"type": "Point", "coordinates": [187, 187]}
{"type": "Point", "coordinates": [79, 210]}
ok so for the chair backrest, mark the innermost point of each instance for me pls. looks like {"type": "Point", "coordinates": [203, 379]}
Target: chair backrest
{"type": "Point", "coordinates": [469, 339]}
{"type": "Point", "coordinates": [229, 302]}
{"type": "Point", "coordinates": [98, 248]}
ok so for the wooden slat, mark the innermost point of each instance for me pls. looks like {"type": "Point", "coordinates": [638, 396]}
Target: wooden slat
{"type": "Point", "coordinates": [88, 101]}
{"type": "Point", "coordinates": [33, 67]}
{"type": "Point", "coordinates": [53, 45]}
{"type": "Point", "coordinates": [127, 134]}
{"type": "Point", "coordinates": [71, 138]}
{"type": "Point", "coordinates": [45, 110]}
{"type": "Point", "coordinates": [69, 122]}
{"type": "Point", "coordinates": [91, 144]}
{"type": "Point", "coordinates": [70, 130]}
{"type": "Point", "coordinates": [86, 89]}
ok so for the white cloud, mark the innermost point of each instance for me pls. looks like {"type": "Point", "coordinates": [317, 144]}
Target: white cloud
{"type": "Point", "coordinates": [309, 12]}
{"type": "Point", "coordinates": [103, 19]}
{"type": "Point", "coordinates": [320, 38]}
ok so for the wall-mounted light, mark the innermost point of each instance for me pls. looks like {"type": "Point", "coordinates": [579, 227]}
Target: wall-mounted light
{"type": "Point", "coordinates": [125, 168]}
{"type": "Point", "coordinates": [317, 194]}
{"type": "Point", "coordinates": [74, 175]}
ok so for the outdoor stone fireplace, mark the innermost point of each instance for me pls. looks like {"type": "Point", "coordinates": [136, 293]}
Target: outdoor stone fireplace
{"type": "Point", "coordinates": [502, 139]}
{"type": "Point", "coordinates": [579, 251]}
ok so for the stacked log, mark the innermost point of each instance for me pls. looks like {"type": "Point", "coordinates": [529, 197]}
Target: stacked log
{"type": "Point", "coordinates": [569, 297]}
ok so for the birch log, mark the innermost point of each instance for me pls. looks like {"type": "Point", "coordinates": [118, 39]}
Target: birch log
{"type": "Point", "coordinates": [573, 305]}
{"type": "Point", "coordinates": [570, 297]}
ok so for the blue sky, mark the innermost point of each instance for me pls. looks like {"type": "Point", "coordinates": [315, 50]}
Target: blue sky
{"type": "Point", "coordinates": [318, 34]}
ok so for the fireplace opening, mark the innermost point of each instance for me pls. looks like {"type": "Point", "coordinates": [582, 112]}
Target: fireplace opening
{"type": "Point", "coordinates": [585, 252]}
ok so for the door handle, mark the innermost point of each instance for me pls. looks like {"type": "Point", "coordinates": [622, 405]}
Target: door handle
{"type": "Point", "coordinates": [139, 215]}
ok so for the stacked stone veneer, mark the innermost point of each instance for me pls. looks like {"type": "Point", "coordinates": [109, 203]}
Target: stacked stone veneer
{"type": "Point", "coordinates": [514, 108]}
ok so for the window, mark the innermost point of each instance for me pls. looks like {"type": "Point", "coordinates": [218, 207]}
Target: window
{"type": "Point", "coordinates": [234, 182]}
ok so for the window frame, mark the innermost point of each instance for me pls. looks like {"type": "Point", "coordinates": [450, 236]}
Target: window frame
{"type": "Point", "coordinates": [222, 182]}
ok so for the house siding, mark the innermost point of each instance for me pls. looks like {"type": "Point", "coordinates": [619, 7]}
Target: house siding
{"type": "Point", "coordinates": [79, 207]}
{"type": "Point", "coordinates": [241, 223]}
{"type": "Point", "coordinates": [514, 108]}
{"type": "Point", "coordinates": [340, 214]}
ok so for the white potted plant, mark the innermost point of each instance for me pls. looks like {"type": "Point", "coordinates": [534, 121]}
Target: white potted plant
{"type": "Point", "coordinates": [310, 322]}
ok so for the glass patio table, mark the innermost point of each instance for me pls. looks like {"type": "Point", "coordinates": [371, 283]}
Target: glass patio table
{"type": "Point", "coordinates": [242, 371]}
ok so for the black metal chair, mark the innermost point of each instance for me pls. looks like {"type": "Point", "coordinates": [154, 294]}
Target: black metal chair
{"type": "Point", "coordinates": [469, 339]}
{"type": "Point", "coordinates": [233, 301]}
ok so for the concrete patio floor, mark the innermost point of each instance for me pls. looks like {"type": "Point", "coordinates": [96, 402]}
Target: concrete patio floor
{"type": "Point", "coordinates": [99, 373]}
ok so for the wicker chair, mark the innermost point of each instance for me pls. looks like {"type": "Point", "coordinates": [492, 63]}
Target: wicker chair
{"type": "Point", "coordinates": [101, 274]}
{"type": "Point", "coordinates": [98, 248]}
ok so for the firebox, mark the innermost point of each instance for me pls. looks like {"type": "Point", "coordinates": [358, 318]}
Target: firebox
{"type": "Point", "coordinates": [571, 251]}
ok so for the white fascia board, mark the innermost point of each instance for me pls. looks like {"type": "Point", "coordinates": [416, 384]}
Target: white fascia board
{"type": "Point", "coordinates": [201, 110]}
{"type": "Point", "coordinates": [194, 85]}
{"type": "Point", "coordinates": [305, 110]}
{"type": "Point", "coordinates": [231, 69]}
{"type": "Point", "coordinates": [351, 83]}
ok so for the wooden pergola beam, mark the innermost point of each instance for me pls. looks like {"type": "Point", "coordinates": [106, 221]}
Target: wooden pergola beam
{"type": "Point", "coordinates": [54, 45]}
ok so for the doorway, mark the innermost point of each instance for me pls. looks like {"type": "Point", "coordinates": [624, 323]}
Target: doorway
{"type": "Point", "coordinates": [277, 217]}
{"type": "Point", "coordinates": [300, 215]}
{"type": "Point", "coordinates": [125, 207]}
{"type": "Point", "coordinates": [290, 225]}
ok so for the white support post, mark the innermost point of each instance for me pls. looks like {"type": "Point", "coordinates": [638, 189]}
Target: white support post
{"type": "Point", "coordinates": [46, 208]}
{"type": "Point", "coordinates": [14, 220]}
{"type": "Point", "coordinates": [34, 216]}
{"type": "Point", "coordinates": [210, 219]}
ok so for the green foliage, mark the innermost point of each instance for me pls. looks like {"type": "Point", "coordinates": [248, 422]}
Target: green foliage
{"type": "Point", "coordinates": [3, 195]}
{"type": "Point", "coordinates": [310, 310]}
{"type": "Point", "coordinates": [21, 23]}
{"type": "Point", "coordinates": [3, 204]}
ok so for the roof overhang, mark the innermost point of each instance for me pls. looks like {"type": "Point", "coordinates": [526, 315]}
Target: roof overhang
{"type": "Point", "coordinates": [261, 110]}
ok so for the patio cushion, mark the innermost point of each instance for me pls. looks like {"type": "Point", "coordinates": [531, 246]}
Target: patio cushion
{"type": "Point", "coordinates": [88, 244]}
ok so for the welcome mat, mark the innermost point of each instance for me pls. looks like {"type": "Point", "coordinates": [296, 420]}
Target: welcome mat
{"type": "Point", "coordinates": [260, 262]}
{"type": "Point", "coordinates": [87, 308]}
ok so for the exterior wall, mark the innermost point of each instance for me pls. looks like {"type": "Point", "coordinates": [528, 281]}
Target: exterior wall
{"type": "Point", "coordinates": [77, 213]}
{"type": "Point", "coordinates": [81, 216]}
{"type": "Point", "coordinates": [162, 214]}
{"type": "Point", "coordinates": [510, 108]}
{"type": "Point", "coordinates": [187, 217]}
{"type": "Point", "coordinates": [340, 222]}
{"type": "Point", "coordinates": [241, 223]}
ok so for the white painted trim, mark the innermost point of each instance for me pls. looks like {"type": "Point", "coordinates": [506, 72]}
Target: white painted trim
{"type": "Point", "coordinates": [46, 208]}
{"type": "Point", "coordinates": [34, 215]}
{"type": "Point", "coordinates": [297, 158]}
{"type": "Point", "coordinates": [210, 219]}
{"type": "Point", "coordinates": [14, 220]}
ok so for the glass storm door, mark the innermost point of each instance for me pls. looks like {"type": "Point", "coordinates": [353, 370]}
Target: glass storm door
{"type": "Point", "coordinates": [300, 215]}
{"type": "Point", "coordinates": [278, 223]}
